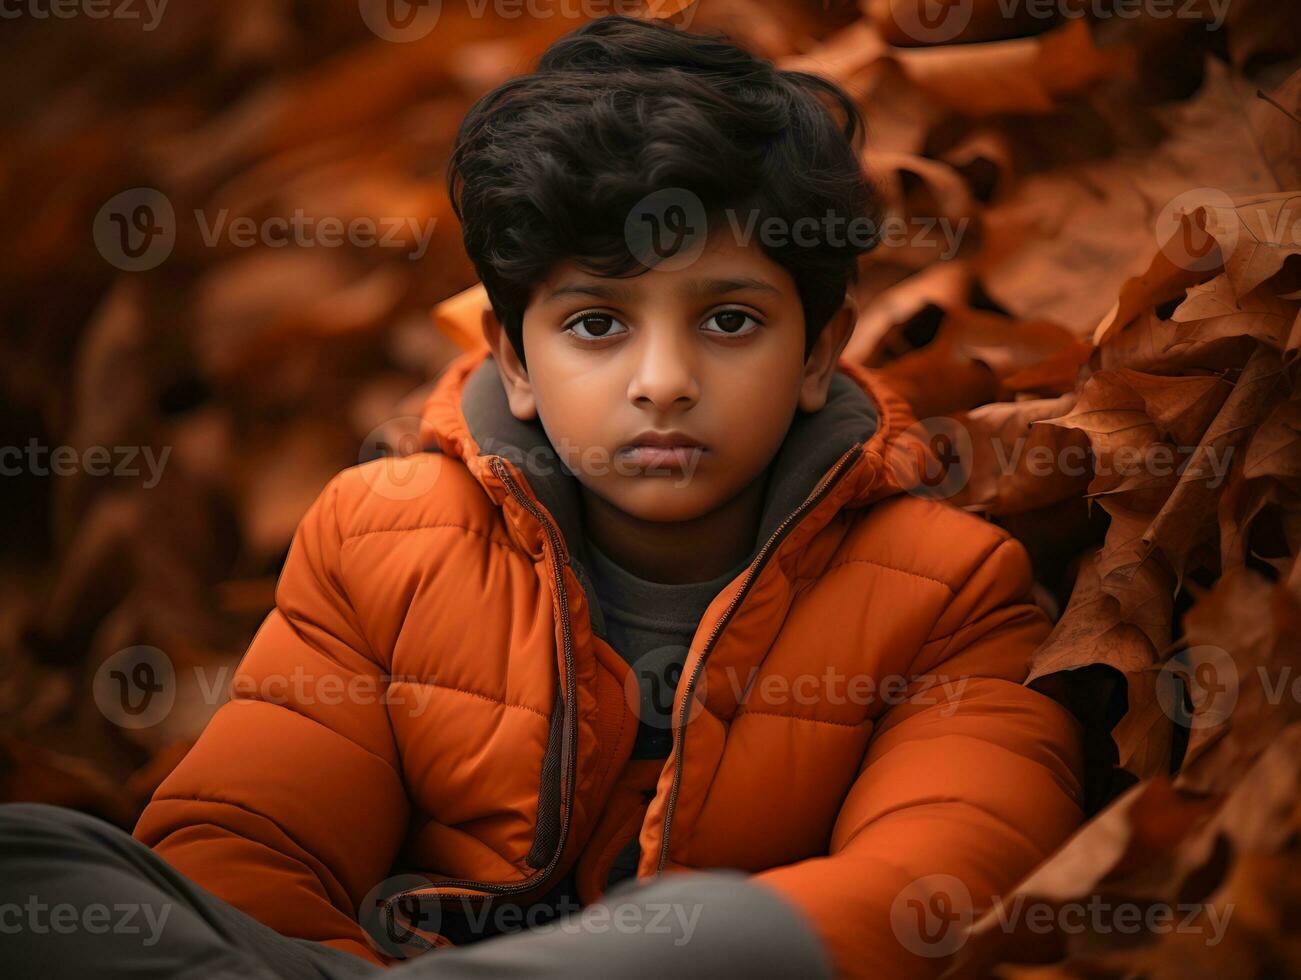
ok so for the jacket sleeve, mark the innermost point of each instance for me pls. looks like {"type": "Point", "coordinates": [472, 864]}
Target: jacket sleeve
{"type": "Point", "coordinates": [291, 806]}
{"type": "Point", "coordinates": [957, 798]}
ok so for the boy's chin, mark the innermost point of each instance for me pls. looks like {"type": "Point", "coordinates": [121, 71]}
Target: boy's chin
{"type": "Point", "coordinates": [663, 499]}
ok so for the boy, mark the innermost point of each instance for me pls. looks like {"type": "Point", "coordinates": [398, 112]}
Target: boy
{"type": "Point", "coordinates": [650, 621]}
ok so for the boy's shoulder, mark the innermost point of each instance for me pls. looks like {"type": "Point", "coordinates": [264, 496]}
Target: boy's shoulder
{"type": "Point", "coordinates": [929, 538]}
{"type": "Point", "coordinates": [408, 493]}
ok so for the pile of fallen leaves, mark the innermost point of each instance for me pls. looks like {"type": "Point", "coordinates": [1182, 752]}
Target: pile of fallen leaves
{"type": "Point", "coordinates": [1127, 298]}
{"type": "Point", "coordinates": [1089, 291]}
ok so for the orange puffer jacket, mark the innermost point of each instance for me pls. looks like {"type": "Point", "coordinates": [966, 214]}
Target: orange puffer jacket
{"type": "Point", "coordinates": [851, 720]}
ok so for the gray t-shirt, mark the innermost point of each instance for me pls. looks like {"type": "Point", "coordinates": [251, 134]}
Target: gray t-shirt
{"type": "Point", "coordinates": [651, 625]}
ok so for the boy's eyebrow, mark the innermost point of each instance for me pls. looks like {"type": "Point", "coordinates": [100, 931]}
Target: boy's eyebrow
{"type": "Point", "coordinates": [596, 289]}
{"type": "Point", "coordinates": [697, 287]}
{"type": "Point", "coordinates": [714, 287]}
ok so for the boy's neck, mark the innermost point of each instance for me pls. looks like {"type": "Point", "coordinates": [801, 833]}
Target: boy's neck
{"type": "Point", "coordinates": [676, 552]}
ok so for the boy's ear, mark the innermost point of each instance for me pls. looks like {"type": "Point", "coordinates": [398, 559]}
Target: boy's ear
{"type": "Point", "coordinates": [821, 364]}
{"type": "Point", "coordinates": [514, 378]}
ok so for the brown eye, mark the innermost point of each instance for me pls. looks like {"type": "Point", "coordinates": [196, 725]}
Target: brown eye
{"type": "Point", "coordinates": [594, 326]}
{"type": "Point", "coordinates": [733, 322]}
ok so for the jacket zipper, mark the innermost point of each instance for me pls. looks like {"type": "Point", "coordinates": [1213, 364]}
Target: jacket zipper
{"type": "Point", "coordinates": [567, 801]}
{"type": "Point", "coordinates": [679, 731]}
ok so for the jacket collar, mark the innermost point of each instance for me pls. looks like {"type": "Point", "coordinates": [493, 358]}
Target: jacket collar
{"type": "Point", "coordinates": [467, 416]}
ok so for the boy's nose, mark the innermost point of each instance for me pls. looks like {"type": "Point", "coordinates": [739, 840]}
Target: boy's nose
{"type": "Point", "coordinates": [665, 373]}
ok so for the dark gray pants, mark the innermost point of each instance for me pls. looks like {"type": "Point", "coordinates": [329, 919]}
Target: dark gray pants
{"type": "Point", "coordinates": [67, 881]}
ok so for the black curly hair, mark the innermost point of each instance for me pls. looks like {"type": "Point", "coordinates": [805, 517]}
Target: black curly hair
{"type": "Point", "coordinates": [547, 166]}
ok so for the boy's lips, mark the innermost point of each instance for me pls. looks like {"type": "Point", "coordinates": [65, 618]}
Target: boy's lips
{"type": "Point", "coordinates": [661, 457]}
{"type": "Point", "coordinates": [667, 450]}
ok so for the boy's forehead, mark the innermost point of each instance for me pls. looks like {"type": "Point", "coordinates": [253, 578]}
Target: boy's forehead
{"type": "Point", "coordinates": [723, 266]}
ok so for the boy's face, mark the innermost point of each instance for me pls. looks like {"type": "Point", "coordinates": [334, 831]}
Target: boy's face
{"type": "Point", "coordinates": [712, 352]}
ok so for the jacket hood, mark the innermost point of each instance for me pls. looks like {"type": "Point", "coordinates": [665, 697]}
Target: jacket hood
{"type": "Point", "coordinates": [467, 416]}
